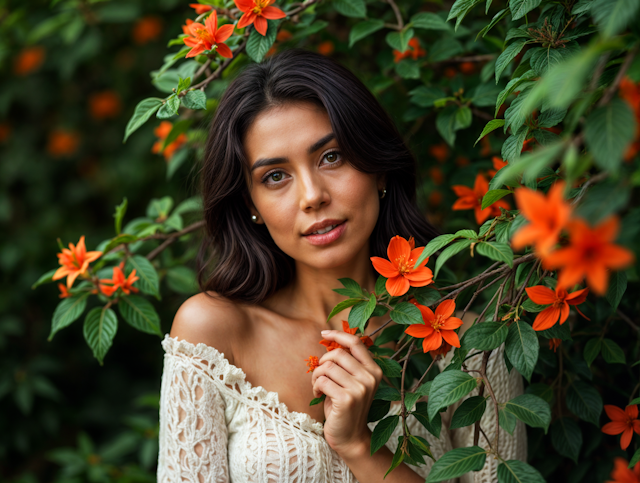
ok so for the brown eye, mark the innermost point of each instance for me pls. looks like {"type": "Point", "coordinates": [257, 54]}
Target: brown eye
{"type": "Point", "coordinates": [332, 157]}
{"type": "Point", "coordinates": [277, 176]}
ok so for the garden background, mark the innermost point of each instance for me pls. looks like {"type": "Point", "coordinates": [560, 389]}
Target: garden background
{"type": "Point", "coordinates": [72, 72]}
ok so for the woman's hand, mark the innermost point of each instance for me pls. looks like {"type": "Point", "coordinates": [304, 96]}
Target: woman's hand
{"type": "Point", "coordinates": [349, 382]}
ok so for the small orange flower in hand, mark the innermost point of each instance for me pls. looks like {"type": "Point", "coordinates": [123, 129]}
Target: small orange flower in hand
{"type": "Point", "coordinates": [622, 474]}
{"type": "Point", "coordinates": [312, 363]}
{"type": "Point", "coordinates": [75, 261]}
{"type": "Point", "coordinates": [625, 422]}
{"type": "Point", "coordinates": [119, 280]}
{"type": "Point", "coordinates": [547, 215]}
{"type": "Point", "coordinates": [437, 327]}
{"type": "Point", "coordinates": [559, 300]}
{"type": "Point", "coordinates": [590, 252]}
{"type": "Point", "coordinates": [399, 271]}
{"type": "Point", "coordinates": [471, 198]}
{"type": "Point", "coordinates": [257, 12]}
{"type": "Point", "coordinates": [330, 344]}
{"type": "Point", "coordinates": [205, 37]}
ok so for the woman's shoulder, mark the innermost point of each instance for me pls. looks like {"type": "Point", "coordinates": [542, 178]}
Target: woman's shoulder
{"type": "Point", "coordinates": [210, 319]}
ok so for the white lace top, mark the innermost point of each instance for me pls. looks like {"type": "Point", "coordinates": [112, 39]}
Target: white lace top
{"type": "Point", "coordinates": [216, 428]}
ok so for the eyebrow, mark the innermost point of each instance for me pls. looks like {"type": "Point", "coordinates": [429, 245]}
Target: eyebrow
{"type": "Point", "coordinates": [279, 160]}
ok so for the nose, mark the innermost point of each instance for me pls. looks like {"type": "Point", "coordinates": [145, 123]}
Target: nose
{"type": "Point", "coordinates": [313, 192]}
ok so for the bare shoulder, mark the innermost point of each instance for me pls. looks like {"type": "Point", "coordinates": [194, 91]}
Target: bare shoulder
{"type": "Point", "coordinates": [210, 319]}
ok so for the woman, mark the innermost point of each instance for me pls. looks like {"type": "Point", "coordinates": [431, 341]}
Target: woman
{"type": "Point", "coordinates": [305, 177]}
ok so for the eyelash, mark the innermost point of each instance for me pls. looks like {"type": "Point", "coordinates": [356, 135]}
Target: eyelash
{"type": "Point", "coordinates": [265, 178]}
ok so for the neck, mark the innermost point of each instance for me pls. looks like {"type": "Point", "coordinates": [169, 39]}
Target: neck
{"type": "Point", "coordinates": [310, 295]}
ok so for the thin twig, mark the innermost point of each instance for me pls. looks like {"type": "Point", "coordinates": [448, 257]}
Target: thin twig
{"type": "Point", "coordinates": [628, 320]}
{"type": "Point", "coordinates": [611, 90]}
{"type": "Point", "coordinates": [396, 11]}
{"type": "Point", "coordinates": [417, 384]}
{"type": "Point", "coordinates": [404, 409]}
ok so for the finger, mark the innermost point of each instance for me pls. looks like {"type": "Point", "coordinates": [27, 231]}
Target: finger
{"type": "Point", "coordinates": [354, 344]}
{"type": "Point", "coordinates": [334, 372]}
{"type": "Point", "coordinates": [326, 386]}
{"type": "Point", "coordinates": [344, 359]}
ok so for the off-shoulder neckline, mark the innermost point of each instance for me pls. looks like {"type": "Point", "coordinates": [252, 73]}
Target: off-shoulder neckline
{"type": "Point", "coordinates": [236, 375]}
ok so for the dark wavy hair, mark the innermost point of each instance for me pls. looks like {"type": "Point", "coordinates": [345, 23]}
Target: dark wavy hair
{"type": "Point", "coordinates": [238, 259]}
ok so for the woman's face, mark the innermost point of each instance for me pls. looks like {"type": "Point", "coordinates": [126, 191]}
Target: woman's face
{"type": "Point", "coordinates": [301, 184]}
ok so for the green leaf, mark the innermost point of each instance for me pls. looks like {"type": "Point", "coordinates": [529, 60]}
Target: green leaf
{"type": "Point", "coordinates": [531, 410]}
{"type": "Point", "coordinates": [381, 286]}
{"type": "Point", "coordinates": [500, 252]}
{"type": "Point", "coordinates": [519, 8]}
{"type": "Point", "coordinates": [507, 421]}
{"type": "Point", "coordinates": [463, 118]}
{"type": "Point", "coordinates": [434, 426]}
{"type": "Point", "coordinates": [408, 69]}
{"type": "Point", "coordinates": [363, 29]}
{"type": "Point", "coordinates": [492, 196]}
{"type": "Point", "coordinates": [446, 124]}
{"type": "Point", "coordinates": [351, 8]}
{"type": "Point", "coordinates": [608, 131]}
{"type": "Point", "coordinates": [406, 314]}
{"type": "Point", "coordinates": [387, 393]}
{"type": "Point", "coordinates": [617, 288]}
{"type": "Point", "coordinates": [460, 8]}
{"type": "Point", "coordinates": [410, 399]}
{"type": "Point", "coordinates": [429, 21]}
{"type": "Point", "coordinates": [45, 278]}
{"type": "Point", "coordinates": [507, 56]}
{"type": "Point", "coordinates": [121, 209]}
{"type": "Point", "coordinates": [382, 432]}
{"type": "Point", "coordinates": [400, 40]}
{"type": "Point", "coordinates": [634, 459]}
{"type": "Point", "coordinates": [378, 410]}
{"type": "Point", "coordinates": [612, 352]}
{"type": "Point", "coordinates": [345, 304]}
{"type": "Point", "coordinates": [485, 336]}
{"type": "Point", "coordinates": [183, 84]}
{"type": "Point", "coordinates": [143, 111]}
{"type": "Point", "coordinates": [182, 279]}
{"type": "Point", "coordinates": [491, 126]}
{"type": "Point", "coordinates": [67, 312]}
{"type": "Point", "coordinates": [361, 312]}
{"type": "Point", "coordinates": [398, 456]}
{"type": "Point", "coordinates": [516, 471]}
{"type": "Point", "coordinates": [317, 400]}
{"type": "Point", "coordinates": [390, 333]}
{"type": "Point", "coordinates": [456, 463]}
{"type": "Point", "coordinates": [544, 59]}
{"type": "Point", "coordinates": [470, 411]}
{"type": "Point", "coordinates": [613, 16]}
{"type": "Point", "coordinates": [258, 45]}
{"type": "Point", "coordinates": [522, 348]}
{"type": "Point", "coordinates": [448, 252]}
{"type": "Point", "coordinates": [591, 350]}
{"type": "Point", "coordinates": [148, 282]}
{"type": "Point", "coordinates": [351, 288]}
{"type": "Point", "coordinates": [433, 246]}
{"type": "Point", "coordinates": [425, 96]}
{"type": "Point", "coordinates": [390, 367]}
{"type": "Point", "coordinates": [566, 438]}
{"type": "Point", "coordinates": [195, 99]}
{"type": "Point", "coordinates": [140, 314]}
{"type": "Point", "coordinates": [447, 388]}
{"type": "Point", "coordinates": [99, 329]}
{"type": "Point", "coordinates": [584, 401]}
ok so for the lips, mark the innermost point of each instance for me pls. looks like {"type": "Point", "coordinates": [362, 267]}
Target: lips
{"type": "Point", "coordinates": [322, 227]}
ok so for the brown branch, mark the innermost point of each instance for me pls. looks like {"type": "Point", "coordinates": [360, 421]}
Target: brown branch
{"type": "Point", "coordinates": [396, 11]}
{"type": "Point", "coordinates": [404, 409]}
{"type": "Point", "coordinates": [621, 73]}
{"type": "Point", "coordinates": [477, 428]}
{"type": "Point", "coordinates": [628, 321]}
{"type": "Point", "coordinates": [417, 385]}
{"type": "Point", "coordinates": [473, 297]}
{"type": "Point", "coordinates": [583, 189]}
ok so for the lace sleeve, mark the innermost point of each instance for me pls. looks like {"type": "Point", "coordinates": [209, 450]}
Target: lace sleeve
{"type": "Point", "coordinates": [193, 432]}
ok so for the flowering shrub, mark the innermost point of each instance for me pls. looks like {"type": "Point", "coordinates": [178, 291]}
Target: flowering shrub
{"type": "Point", "coordinates": [551, 91]}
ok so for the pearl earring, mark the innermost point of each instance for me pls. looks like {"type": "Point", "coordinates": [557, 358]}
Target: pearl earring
{"type": "Point", "coordinates": [254, 218]}
{"type": "Point", "coordinates": [384, 193]}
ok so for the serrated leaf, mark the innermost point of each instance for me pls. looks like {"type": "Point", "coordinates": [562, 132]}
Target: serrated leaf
{"type": "Point", "coordinates": [363, 29]}
{"type": "Point", "coordinates": [448, 252]}
{"type": "Point", "coordinates": [507, 421]}
{"type": "Point", "coordinates": [390, 367]}
{"type": "Point", "coordinates": [378, 410]}
{"type": "Point", "coordinates": [616, 289]}
{"type": "Point", "coordinates": [67, 312]}
{"type": "Point", "coordinates": [470, 411]}
{"type": "Point", "coordinates": [612, 352]}
{"type": "Point", "coordinates": [485, 336]}
{"type": "Point", "coordinates": [100, 326]}
{"type": "Point", "coordinates": [121, 209]}
{"type": "Point", "coordinates": [429, 21]}
{"type": "Point", "coordinates": [398, 456]}
{"type": "Point", "coordinates": [531, 410]}
{"type": "Point", "coordinates": [405, 313]}
{"type": "Point", "coordinates": [258, 45]}
{"type": "Point", "coordinates": [352, 287]}
{"type": "Point", "coordinates": [566, 438]}
{"type": "Point", "coordinates": [591, 350]}
{"type": "Point", "coordinates": [140, 314]}
{"type": "Point", "coordinates": [143, 111]}
{"type": "Point", "coordinates": [382, 432]}
{"type": "Point", "coordinates": [351, 8]}
{"type": "Point", "coordinates": [490, 126]}
{"type": "Point", "coordinates": [612, 16]}
{"type": "Point", "coordinates": [148, 282]}
{"type": "Point", "coordinates": [447, 388]}
{"type": "Point", "coordinates": [500, 252]}
{"type": "Point", "coordinates": [492, 196]}
{"type": "Point", "coordinates": [519, 8]}
{"type": "Point", "coordinates": [508, 55]}
{"type": "Point", "coordinates": [400, 40]}
{"type": "Point", "coordinates": [516, 471]}
{"type": "Point", "coordinates": [522, 348]}
{"type": "Point", "coordinates": [345, 304]}
{"type": "Point", "coordinates": [195, 99]}
{"type": "Point", "coordinates": [45, 278]}
{"type": "Point", "coordinates": [433, 246]}
{"type": "Point", "coordinates": [425, 96]}
{"type": "Point", "coordinates": [387, 393]}
{"type": "Point", "coordinates": [584, 401]}
{"type": "Point", "coordinates": [456, 463]}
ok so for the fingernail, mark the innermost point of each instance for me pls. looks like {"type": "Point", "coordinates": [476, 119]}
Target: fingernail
{"type": "Point", "coordinates": [324, 332]}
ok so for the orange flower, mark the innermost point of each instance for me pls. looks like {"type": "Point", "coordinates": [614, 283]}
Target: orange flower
{"type": "Point", "coordinates": [64, 293]}
{"type": "Point", "coordinates": [437, 327]}
{"type": "Point", "coordinates": [200, 8]}
{"type": "Point", "coordinates": [28, 60]}
{"type": "Point", "coordinates": [5, 131]}
{"type": "Point", "coordinates": [559, 307]}
{"type": "Point", "coordinates": [589, 254]}
{"type": "Point", "coordinates": [119, 280]}
{"type": "Point", "coordinates": [554, 344]}
{"type": "Point", "coordinates": [625, 422]}
{"type": "Point", "coordinates": [547, 216]}
{"type": "Point", "coordinates": [161, 132]}
{"type": "Point", "coordinates": [439, 151]}
{"type": "Point", "coordinates": [257, 12]}
{"type": "Point", "coordinates": [526, 145]}
{"type": "Point", "coordinates": [436, 175]}
{"type": "Point", "coordinates": [398, 270]}
{"type": "Point", "coordinates": [147, 29]}
{"type": "Point", "coordinates": [75, 261]}
{"type": "Point", "coordinates": [498, 164]}
{"type": "Point", "coordinates": [443, 350]}
{"type": "Point", "coordinates": [331, 344]}
{"type": "Point", "coordinates": [205, 37]}
{"type": "Point", "coordinates": [450, 72]}
{"type": "Point", "coordinates": [467, 67]}
{"type": "Point", "coordinates": [104, 105]}
{"type": "Point", "coordinates": [472, 199]}
{"type": "Point", "coordinates": [462, 161]}
{"type": "Point", "coordinates": [62, 143]}
{"type": "Point", "coordinates": [414, 51]}
{"type": "Point", "coordinates": [312, 363]}
{"type": "Point", "coordinates": [486, 146]}
{"type": "Point", "coordinates": [326, 47]}
{"type": "Point", "coordinates": [622, 474]}
{"type": "Point", "coordinates": [435, 198]}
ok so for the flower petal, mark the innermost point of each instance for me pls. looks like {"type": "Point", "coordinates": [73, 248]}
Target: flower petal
{"type": "Point", "coordinates": [615, 413]}
{"type": "Point", "coordinates": [451, 337]}
{"type": "Point", "coordinates": [546, 319]}
{"type": "Point", "coordinates": [614, 427]}
{"type": "Point", "coordinates": [224, 33]}
{"type": "Point", "coordinates": [384, 267]}
{"type": "Point", "coordinates": [632, 411]}
{"type": "Point", "coordinates": [419, 330]}
{"type": "Point", "coordinates": [397, 286]}
{"type": "Point", "coordinates": [625, 440]}
{"type": "Point", "coordinates": [564, 313]}
{"type": "Point", "coordinates": [446, 308]}
{"type": "Point", "coordinates": [452, 323]}
{"type": "Point", "coordinates": [432, 342]}
{"type": "Point", "coordinates": [423, 274]}
{"type": "Point", "coordinates": [398, 249]}
{"type": "Point", "coordinates": [260, 23]}
{"type": "Point", "coordinates": [225, 51]}
{"type": "Point", "coordinates": [541, 295]}
{"type": "Point", "coordinates": [577, 297]}
{"type": "Point", "coordinates": [246, 19]}
{"type": "Point", "coordinates": [273, 13]}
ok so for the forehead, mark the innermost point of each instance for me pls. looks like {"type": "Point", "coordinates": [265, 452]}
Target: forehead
{"type": "Point", "coordinates": [285, 128]}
